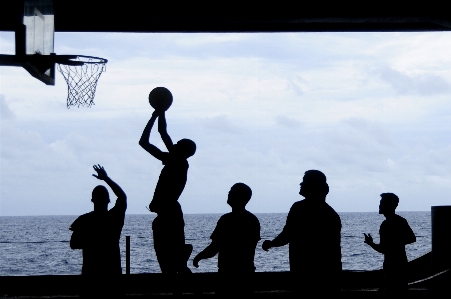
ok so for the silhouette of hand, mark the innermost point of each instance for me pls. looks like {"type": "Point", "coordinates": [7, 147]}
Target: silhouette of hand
{"type": "Point", "coordinates": [196, 262]}
{"type": "Point", "coordinates": [368, 239]}
{"type": "Point", "coordinates": [101, 173]}
{"type": "Point", "coordinates": [266, 245]}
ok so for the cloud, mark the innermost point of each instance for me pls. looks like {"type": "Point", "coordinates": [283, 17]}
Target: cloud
{"type": "Point", "coordinates": [374, 130]}
{"type": "Point", "coordinates": [287, 122]}
{"type": "Point", "coordinates": [5, 111]}
{"type": "Point", "coordinates": [232, 96]}
{"type": "Point", "coordinates": [222, 124]}
{"type": "Point", "coordinates": [415, 84]}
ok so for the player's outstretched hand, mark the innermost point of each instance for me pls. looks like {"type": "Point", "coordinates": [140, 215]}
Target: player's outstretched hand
{"type": "Point", "coordinates": [196, 262]}
{"type": "Point", "coordinates": [368, 239]}
{"type": "Point", "coordinates": [101, 173]}
{"type": "Point", "coordinates": [266, 245]}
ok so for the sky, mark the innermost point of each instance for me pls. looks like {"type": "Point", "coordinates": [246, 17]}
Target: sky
{"type": "Point", "coordinates": [370, 110]}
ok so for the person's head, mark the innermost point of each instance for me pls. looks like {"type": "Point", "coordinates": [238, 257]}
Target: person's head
{"type": "Point", "coordinates": [185, 148]}
{"type": "Point", "coordinates": [100, 197]}
{"type": "Point", "coordinates": [239, 195]}
{"type": "Point", "coordinates": [389, 203]}
{"type": "Point", "coordinates": [314, 185]}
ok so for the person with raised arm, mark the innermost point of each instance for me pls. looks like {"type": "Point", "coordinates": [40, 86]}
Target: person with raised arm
{"type": "Point", "coordinates": [395, 233]}
{"type": "Point", "coordinates": [313, 232]}
{"type": "Point", "coordinates": [97, 234]}
{"type": "Point", "coordinates": [168, 227]}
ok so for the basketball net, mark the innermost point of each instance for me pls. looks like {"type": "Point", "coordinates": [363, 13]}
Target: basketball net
{"type": "Point", "coordinates": [81, 75]}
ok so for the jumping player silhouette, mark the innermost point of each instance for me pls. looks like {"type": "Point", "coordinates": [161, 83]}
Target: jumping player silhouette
{"type": "Point", "coordinates": [168, 227]}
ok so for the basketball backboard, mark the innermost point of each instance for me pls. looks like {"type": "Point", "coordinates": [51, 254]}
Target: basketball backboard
{"type": "Point", "coordinates": [34, 39]}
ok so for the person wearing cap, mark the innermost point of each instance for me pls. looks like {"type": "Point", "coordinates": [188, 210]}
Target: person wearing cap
{"type": "Point", "coordinates": [395, 233]}
{"type": "Point", "coordinates": [97, 233]}
{"type": "Point", "coordinates": [313, 232]}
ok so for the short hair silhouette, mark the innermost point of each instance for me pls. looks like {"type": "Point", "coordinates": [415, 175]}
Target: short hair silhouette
{"type": "Point", "coordinates": [100, 194]}
{"type": "Point", "coordinates": [391, 199]}
{"type": "Point", "coordinates": [234, 239]}
{"type": "Point", "coordinates": [187, 147]}
{"type": "Point", "coordinates": [317, 181]}
{"type": "Point", "coordinates": [243, 192]}
{"type": "Point", "coordinates": [395, 233]}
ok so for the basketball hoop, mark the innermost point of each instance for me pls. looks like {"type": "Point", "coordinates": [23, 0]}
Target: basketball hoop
{"type": "Point", "coordinates": [81, 74]}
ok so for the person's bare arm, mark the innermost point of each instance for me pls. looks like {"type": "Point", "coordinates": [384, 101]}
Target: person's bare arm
{"type": "Point", "coordinates": [281, 240]}
{"type": "Point", "coordinates": [369, 241]}
{"type": "Point", "coordinates": [76, 240]}
{"type": "Point", "coordinates": [410, 236]}
{"type": "Point", "coordinates": [102, 175]}
{"type": "Point", "coordinates": [144, 140]}
{"type": "Point", "coordinates": [209, 252]}
{"type": "Point", "coordinates": [162, 129]}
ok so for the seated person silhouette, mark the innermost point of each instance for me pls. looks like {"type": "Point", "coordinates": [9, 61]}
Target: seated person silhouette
{"type": "Point", "coordinates": [234, 240]}
{"type": "Point", "coordinates": [313, 232]}
{"type": "Point", "coordinates": [168, 227]}
{"type": "Point", "coordinates": [395, 233]}
{"type": "Point", "coordinates": [97, 233]}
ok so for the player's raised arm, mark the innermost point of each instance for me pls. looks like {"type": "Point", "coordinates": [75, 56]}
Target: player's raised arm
{"type": "Point", "coordinates": [144, 140]}
{"type": "Point", "coordinates": [162, 129]}
{"type": "Point", "coordinates": [102, 175]}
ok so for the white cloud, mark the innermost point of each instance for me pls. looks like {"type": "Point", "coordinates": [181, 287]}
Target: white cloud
{"type": "Point", "coordinates": [288, 122]}
{"type": "Point", "coordinates": [262, 109]}
{"type": "Point", "coordinates": [422, 84]}
{"type": "Point", "coordinates": [5, 112]}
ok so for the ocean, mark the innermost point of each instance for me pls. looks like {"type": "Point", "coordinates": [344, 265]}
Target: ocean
{"type": "Point", "coordinates": [39, 245]}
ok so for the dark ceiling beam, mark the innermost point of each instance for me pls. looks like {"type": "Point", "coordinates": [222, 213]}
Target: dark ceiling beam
{"type": "Point", "coordinates": [233, 16]}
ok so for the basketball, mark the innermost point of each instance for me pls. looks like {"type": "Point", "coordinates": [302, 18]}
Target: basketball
{"type": "Point", "coordinates": [160, 98]}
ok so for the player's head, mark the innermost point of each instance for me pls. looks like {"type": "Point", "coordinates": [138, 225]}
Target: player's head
{"type": "Point", "coordinates": [314, 184]}
{"type": "Point", "coordinates": [185, 148]}
{"type": "Point", "coordinates": [239, 195]}
{"type": "Point", "coordinates": [100, 195]}
{"type": "Point", "coordinates": [389, 203]}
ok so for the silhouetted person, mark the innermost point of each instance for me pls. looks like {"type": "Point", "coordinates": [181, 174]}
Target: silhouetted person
{"type": "Point", "coordinates": [97, 233]}
{"type": "Point", "coordinates": [168, 227]}
{"type": "Point", "coordinates": [234, 240]}
{"type": "Point", "coordinates": [395, 233]}
{"type": "Point", "coordinates": [313, 232]}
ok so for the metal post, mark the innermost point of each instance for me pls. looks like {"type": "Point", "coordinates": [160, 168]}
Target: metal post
{"type": "Point", "coordinates": [441, 235]}
{"type": "Point", "coordinates": [127, 255]}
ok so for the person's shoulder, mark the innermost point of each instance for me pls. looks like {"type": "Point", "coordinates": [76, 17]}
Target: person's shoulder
{"type": "Point", "coordinates": [225, 217]}
{"type": "Point", "coordinates": [401, 220]}
{"type": "Point", "coordinates": [299, 204]}
{"type": "Point", "coordinates": [85, 216]}
{"type": "Point", "coordinates": [175, 161]}
{"type": "Point", "coordinates": [251, 216]}
{"type": "Point", "coordinates": [332, 210]}
{"type": "Point", "coordinates": [81, 220]}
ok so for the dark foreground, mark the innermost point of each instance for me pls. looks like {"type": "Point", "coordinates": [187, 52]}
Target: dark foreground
{"type": "Point", "coordinates": [424, 281]}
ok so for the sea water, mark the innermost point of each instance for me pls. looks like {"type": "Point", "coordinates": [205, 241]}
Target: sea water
{"type": "Point", "coordinates": [39, 245]}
